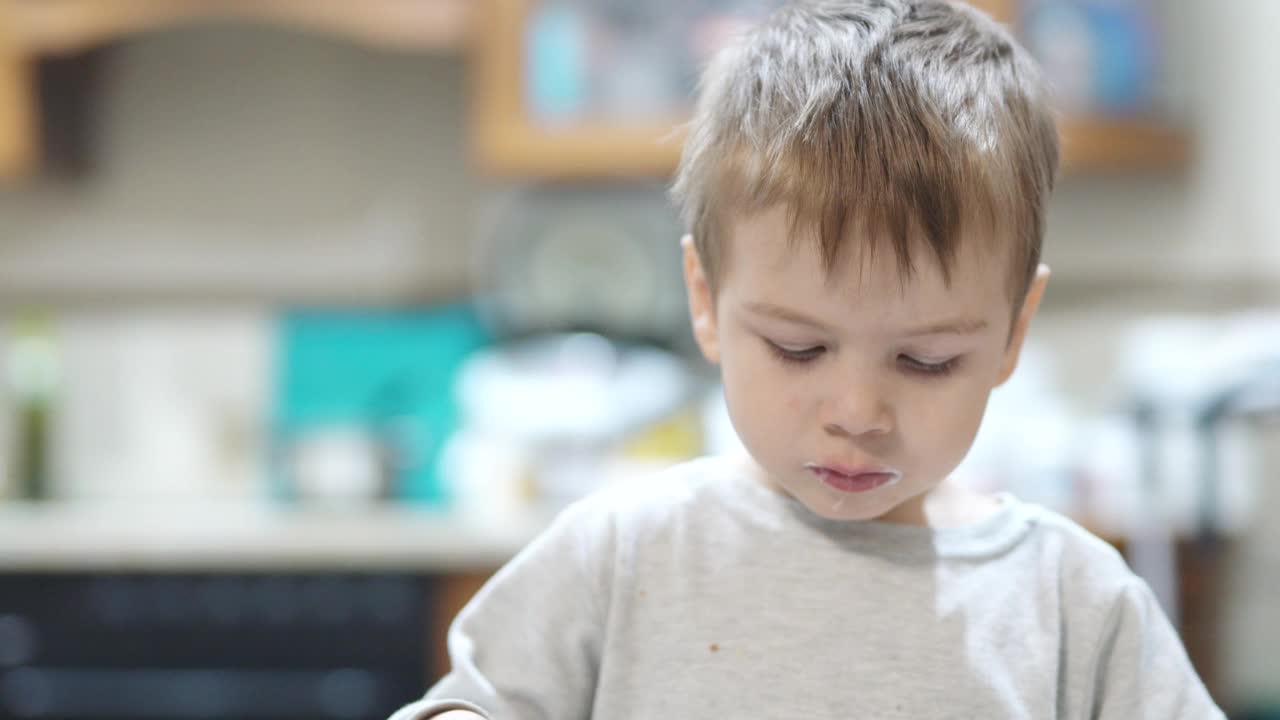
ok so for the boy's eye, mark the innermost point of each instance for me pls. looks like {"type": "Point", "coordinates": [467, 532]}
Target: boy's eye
{"type": "Point", "coordinates": [795, 355]}
{"type": "Point", "coordinates": [922, 367]}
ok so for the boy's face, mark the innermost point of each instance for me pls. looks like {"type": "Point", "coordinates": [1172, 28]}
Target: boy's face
{"type": "Point", "coordinates": [856, 395]}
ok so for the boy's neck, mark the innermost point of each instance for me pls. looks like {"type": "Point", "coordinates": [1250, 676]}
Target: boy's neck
{"type": "Point", "coordinates": [953, 504]}
{"type": "Point", "coordinates": [949, 505]}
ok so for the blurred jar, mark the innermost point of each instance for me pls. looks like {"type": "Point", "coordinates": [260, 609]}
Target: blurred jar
{"type": "Point", "coordinates": [33, 384]}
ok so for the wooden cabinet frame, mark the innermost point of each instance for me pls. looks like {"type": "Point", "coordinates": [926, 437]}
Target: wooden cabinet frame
{"type": "Point", "coordinates": [508, 142]}
{"type": "Point", "coordinates": [32, 28]}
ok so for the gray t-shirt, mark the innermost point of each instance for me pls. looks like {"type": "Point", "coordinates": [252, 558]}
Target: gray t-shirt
{"type": "Point", "coordinates": [703, 594]}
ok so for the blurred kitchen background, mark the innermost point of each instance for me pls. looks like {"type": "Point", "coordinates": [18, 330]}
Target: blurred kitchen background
{"type": "Point", "coordinates": [314, 311]}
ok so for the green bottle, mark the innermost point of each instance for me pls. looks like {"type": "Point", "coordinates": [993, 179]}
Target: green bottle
{"type": "Point", "coordinates": [33, 378]}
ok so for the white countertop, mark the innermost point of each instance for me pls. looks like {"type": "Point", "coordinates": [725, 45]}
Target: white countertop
{"type": "Point", "coordinates": [190, 537]}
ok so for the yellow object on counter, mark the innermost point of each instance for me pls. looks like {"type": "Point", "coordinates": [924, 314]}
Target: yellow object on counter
{"type": "Point", "coordinates": [677, 436]}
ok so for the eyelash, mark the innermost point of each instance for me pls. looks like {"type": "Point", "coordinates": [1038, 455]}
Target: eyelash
{"type": "Point", "coordinates": [795, 357]}
{"type": "Point", "coordinates": [933, 370]}
{"type": "Point", "coordinates": [801, 358]}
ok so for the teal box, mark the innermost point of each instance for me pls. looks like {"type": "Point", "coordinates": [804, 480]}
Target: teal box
{"type": "Point", "coordinates": [390, 373]}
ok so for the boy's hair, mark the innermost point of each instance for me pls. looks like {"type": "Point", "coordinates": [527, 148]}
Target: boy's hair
{"type": "Point", "coordinates": [905, 120]}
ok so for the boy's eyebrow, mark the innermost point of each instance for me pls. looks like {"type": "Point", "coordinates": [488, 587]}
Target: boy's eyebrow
{"type": "Point", "coordinates": [959, 326]}
{"type": "Point", "coordinates": [782, 313]}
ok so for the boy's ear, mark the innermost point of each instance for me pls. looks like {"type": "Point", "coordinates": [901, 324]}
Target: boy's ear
{"type": "Point", "coordinates": [1023, 322]}
{"type": "Point", "coordinates": [702, 312]}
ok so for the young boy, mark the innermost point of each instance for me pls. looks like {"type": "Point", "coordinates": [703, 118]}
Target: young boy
{"type": "Point", "coordinates": [865, 183]}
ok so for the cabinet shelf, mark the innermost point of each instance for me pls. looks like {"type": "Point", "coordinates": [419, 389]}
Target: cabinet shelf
{"type": "Point", "coordinates": [509, 142]}
{"type": "Point", "coordinates": [515, 148]}
{"type": "Point", "coordinates": [1097, 144]}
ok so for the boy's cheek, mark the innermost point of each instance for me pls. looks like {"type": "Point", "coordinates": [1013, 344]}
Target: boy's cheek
{"type": "Point", "coordinates": [750, 371]}
{"type": "Point", "coordinates": [750, 384]}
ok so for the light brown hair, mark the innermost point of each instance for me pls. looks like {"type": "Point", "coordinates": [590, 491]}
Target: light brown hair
{"type": "Point", "coordinates": [906, 120]}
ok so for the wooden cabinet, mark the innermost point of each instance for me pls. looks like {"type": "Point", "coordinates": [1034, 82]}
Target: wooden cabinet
{"type": "Point", "coordinates": [48, 26]}
{"type": "Point", "coordinates": [30, 29]}
{"type": "Point", "coordinates": [17, 104]}
{"type": "Point", "coordinates": [508, 141]}
{"type": "Point", "coordinates": [453, 593]}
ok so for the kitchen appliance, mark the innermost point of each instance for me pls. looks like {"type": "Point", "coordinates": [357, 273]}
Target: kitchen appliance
{"type": "Point", "coordinates": [249, 646]}
{"type": "Point", "coordinates": [600, 259]}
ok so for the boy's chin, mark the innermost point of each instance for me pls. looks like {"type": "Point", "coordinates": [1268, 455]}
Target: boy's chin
{"type": "Point", "coordinates": [830, 504]}
{"type": "Point", "coordinates": [854, 510]}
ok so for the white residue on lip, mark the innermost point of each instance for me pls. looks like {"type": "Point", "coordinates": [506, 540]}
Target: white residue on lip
{"type": "Point", "coordinates": [817, 469]}
{"type": "Point", "coordinates": [897, 475]}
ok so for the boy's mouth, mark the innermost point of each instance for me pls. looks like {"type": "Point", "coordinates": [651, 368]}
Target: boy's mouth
{"type": "Point", "coordinates": [854, 480]}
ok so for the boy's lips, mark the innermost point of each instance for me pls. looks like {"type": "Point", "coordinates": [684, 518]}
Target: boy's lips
{"type": "Point", "coordinates": [854, 479]}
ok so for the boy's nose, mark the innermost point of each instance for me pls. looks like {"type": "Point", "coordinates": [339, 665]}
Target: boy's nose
{"type": "Point", "coordinates": [858, 414]}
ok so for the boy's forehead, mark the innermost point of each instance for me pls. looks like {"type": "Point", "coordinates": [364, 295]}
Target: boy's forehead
{"type": "Point", "coordinates": [865, 288]}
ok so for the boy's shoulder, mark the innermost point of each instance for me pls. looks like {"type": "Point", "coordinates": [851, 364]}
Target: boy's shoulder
{"type": "Point", "coordinates": [653, 509]}
{"type": "Point", "coordinates": [662, 496]}
{"type": "Point", "coordinates": [1088, 566]}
